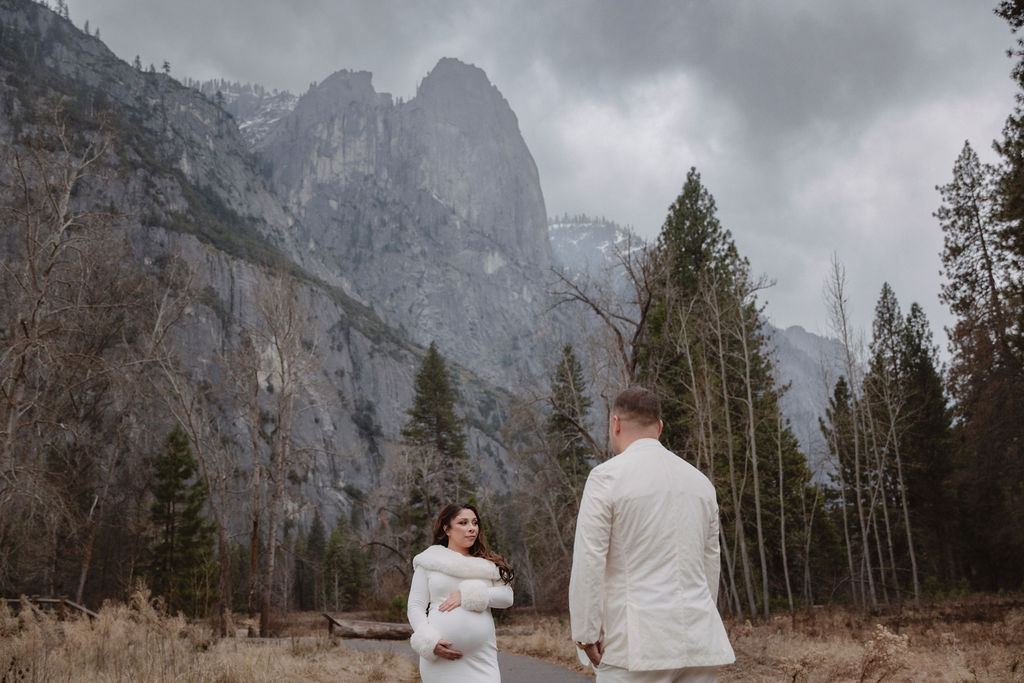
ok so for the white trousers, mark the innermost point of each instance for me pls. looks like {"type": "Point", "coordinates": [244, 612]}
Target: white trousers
{"type": "Point", "coordinates": [694, 674]}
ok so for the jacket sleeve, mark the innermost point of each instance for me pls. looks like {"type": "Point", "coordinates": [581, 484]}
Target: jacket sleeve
{"type": "Point", "coordinates": [712, 557]}
{"type": "Point", "coordinates": [478, 595]}
{"type": "Point", "coordinates": [424, 636]}
{"type": "Point", "coordinates": [590, 554]}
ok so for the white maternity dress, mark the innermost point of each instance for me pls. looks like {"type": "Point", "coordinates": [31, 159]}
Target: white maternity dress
{"type": "Point", "coordinates": [439, 572]}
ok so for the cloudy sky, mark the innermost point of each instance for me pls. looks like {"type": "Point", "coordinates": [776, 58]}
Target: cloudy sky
{"type": "Point", "coordinates": [821, 128]}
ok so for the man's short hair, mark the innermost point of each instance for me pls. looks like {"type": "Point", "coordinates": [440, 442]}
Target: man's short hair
{"type": "Point", "coordinates": [638, 405]}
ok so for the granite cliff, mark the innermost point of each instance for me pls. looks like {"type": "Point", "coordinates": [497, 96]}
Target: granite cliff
{"type": "Point", "coordinates": [429, 210]}
{"type": "Point", "coordinates": [402, 224]}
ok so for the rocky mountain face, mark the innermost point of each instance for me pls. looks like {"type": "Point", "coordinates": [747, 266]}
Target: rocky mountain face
{"type": "Point", "coordinates": [808, 363]}
{"type": "Point", "coordinates": [401, 224]}
{"type": "Point", "coordinates": [404, 223]}
{"type": "Point", "coordinates": [430, 211]}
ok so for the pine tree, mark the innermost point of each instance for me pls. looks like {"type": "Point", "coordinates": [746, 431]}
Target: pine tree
{"type": "Point", "coordinates": [344, 567]}
{"type": "Point", "coordinates": [704, 352]}
{"type": "Point", "coordinates": [986, 375]}
{"type": "Point", "coordinates": [182, 552]}
{"type": "Point", "coordinates": [554, 459]}
{"type": "Point", "coordinates": [566, 427]}
{"type": "Point", "coordinates": [693, 239]}
{"type": "Point", "coordinates": [434, 426]}
{"type": "Point", "coordinates": [1010, 179]}
{"type": "Point", "coordinates": [838, 427]}
{"type": "Point", "coordinates": [927, 449]}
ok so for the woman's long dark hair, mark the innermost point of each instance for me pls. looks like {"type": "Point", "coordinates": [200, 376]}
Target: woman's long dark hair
{"type": "Point", "coordinates": [479, 547]}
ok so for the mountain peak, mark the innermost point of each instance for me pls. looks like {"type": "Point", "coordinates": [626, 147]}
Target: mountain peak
{"type": "Point", "coordinates": [348, 86]}
{"type": "Point", "coordinates": [455, 78]}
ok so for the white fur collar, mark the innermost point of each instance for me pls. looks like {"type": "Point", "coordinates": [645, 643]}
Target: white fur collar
{"type": "Point", "coordinates": [442, 559]}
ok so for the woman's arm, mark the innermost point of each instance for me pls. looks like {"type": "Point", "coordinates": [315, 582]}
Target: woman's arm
{"type": "Point", "coordinates": [478, 595]}
{"type": "Point", "coordinates": [424, 637]}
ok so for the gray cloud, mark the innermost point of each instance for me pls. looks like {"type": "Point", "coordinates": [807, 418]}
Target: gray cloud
{"type": "Point", "coordinates": [821, 128]}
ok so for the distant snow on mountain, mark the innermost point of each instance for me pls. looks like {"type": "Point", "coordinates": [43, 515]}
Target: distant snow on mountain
{"type": "Point", "coordinates": [808, 364]}
{"type": "Point", "coordinates": [254, 108]}
{"type": "Point", "coordinates": [585, 245]}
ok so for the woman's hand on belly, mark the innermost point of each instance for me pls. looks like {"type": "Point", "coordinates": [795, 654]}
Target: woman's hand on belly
{"type": "Point", "coordinates": [451, 602]}
{"type": "Point", "coordinates": [444, 650]}
{"type": "Point", "coordinates": [468, 631]}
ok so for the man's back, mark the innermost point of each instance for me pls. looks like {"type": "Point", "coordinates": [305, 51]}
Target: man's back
{"type": "Point", "coordinates": [647, 541]}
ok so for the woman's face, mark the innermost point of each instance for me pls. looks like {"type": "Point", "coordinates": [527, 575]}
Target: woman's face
{"type": "Point", "coordinates": [462, 531]}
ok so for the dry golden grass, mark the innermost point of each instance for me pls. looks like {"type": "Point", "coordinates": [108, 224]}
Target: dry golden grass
{"type": "Point", "coordinates": [137, 643]}
{"type": "Point", "coordinates": [980, 639]}
{"type": "Point", "coordinates": [541, 637]}
{"type": "Point", "coordinates": [972, 640]}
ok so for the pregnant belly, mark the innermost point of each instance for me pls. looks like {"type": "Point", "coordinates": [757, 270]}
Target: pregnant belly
{"type": "Point", "coordinates": [468, 631]}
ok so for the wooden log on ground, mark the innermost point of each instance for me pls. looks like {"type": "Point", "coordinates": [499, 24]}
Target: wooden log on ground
{"type": "Point", "coordinates": [62, 605]}
{"type": "Point", "coordinates": [375, 630]}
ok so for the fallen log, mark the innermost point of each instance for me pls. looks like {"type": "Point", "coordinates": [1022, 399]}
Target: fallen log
{"type": "Point", "coordinates": [375, 630]}
{"type": "Point", "coordinates": [62, 605]}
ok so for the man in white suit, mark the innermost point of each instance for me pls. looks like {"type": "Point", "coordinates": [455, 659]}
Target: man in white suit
{"type": "Point", "coordinates": [645, 565]}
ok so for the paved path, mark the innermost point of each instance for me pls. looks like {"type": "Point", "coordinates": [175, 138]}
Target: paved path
{"type": "Point", "coordinates": [514, 668]}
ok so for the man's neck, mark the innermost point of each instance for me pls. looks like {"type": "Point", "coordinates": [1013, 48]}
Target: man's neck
{"type": "Point", "coordinates": [629, 441]}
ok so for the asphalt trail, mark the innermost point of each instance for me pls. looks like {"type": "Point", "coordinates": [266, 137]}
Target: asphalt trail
{"type": "Point", "coordinates": [514, 668]}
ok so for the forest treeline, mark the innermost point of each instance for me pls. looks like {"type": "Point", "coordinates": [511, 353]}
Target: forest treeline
{"type": "Point", "coordinates": [118, 462]}
{"type": "Point", "coordinates": [925, 489]}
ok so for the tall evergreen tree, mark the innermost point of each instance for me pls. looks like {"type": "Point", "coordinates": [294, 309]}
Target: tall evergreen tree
{"type": "Point", "coordinates": [432, 419]}
{"type": "Point", "coordinates": [986, 378]}
{"type": "Point", "coordinates": [555, 467]}
{"type": "Point", "coordinates": [838, 427]}
{"type": "Point", "coordinates": [344, 567]}
{"type": "Point", "coordinates": [693, 239]}
{"type": "Point", "coordinates": [704, 351]}
{"type": "Point", "coordinates": [434, 432]}
{"type": "Point", "coordinates": [182, 552]}
{"type": "Point", "coordinates": [566, 427]}
{"type": "Point", "coordinates": [927, 449]}
{"type": "Point", "coordinates": [1010, 183]}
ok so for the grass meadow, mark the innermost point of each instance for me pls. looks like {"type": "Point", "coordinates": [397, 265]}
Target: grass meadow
{"type": "Point", "coordinates": [969, 639]}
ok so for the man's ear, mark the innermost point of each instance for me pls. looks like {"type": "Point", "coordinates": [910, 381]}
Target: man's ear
{"type": "Point", "coordinates": [661, 425]}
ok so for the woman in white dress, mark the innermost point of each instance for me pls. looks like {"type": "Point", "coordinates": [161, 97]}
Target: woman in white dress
{"type": "Point", "coordinates": [455, 583]}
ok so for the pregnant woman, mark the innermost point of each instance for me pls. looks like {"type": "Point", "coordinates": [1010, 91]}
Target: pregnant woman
{"type": "Point", "coordinates": [455, 584]}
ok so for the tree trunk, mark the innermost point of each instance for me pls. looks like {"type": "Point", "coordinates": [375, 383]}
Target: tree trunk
{"type": "Point", "coordinates": [808, 527]}
{"type": "Point", "coordinates": [90, 542]}
{"type": "Point", "coordinates": [859, 493]}
{"type": "Point", "coordinates": [782, 507]}
{"type": "Point", "coordinates": [906, 522]}
{"type": "Point", "coordinates": [752, 450]}
{"type": "Point", "coordinates": [840, 321]}
{"type": "Point", "coordinates": [737, 507]}
{"type": "Point", "coordinates": [731, 583]}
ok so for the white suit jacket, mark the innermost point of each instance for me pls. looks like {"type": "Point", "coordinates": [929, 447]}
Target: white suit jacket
{"type": "Point", "coordinates": [645, 563]}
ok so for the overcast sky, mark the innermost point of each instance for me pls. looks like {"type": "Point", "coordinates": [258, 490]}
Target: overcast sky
{"type": "Point", "coordinates": [821, 128]}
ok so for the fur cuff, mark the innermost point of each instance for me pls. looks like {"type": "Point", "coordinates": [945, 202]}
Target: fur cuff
{"type": "Point", "coordinates": [475, 596]}
{"type": "Point", "coordinates": [424, 640]}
